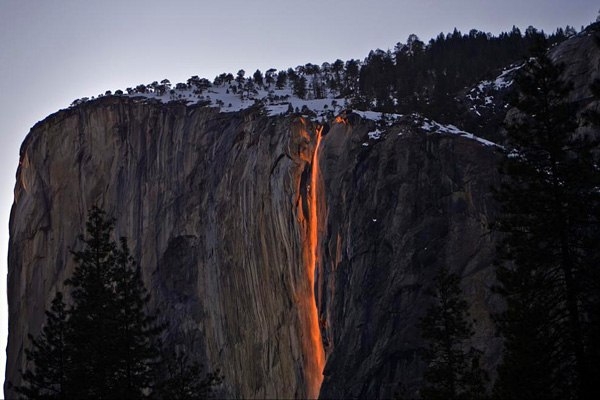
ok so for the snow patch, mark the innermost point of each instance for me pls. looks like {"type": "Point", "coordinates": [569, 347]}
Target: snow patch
{"type": "Point", "coordinates": [483, 95]}
{"type": "Point", "coordinates": [277, 109]}
{"type": "Point", "coordinates": [378, 116]}
{"type": "Point", "coordinates": [504, 80]}
{"type": "Point", "coordinates": [375, 135]}
{"type": "Point", "coordinates": [435, 127]}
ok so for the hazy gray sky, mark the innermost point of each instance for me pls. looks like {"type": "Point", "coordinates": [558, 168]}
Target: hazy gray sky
{"type": "Point", "coordinates": [53, 52]}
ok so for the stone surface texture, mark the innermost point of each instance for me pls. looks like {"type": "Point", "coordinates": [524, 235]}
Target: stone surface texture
{"type": "Point", "coordinates": [214, 207]}
{"type": "Point", "coordinates": [396, 211]}
{"type": "Point", "coordinates": [208, 202]}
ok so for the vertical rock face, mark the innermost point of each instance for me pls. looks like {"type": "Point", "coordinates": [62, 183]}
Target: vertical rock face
{"type": "Point", "coordinates": [580, 56]}
{"type": "Point", "coordinates": [216, 209]}
{"type": "Point", "coordinates": [209, 203]}
{"type": "Point", "coordinates": [396, 211]}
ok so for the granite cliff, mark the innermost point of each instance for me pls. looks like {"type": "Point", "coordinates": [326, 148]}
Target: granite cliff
{"type": "Point", "coordinates": [217, 210]}
{"type": "Point", "coordinates": [233, 216]}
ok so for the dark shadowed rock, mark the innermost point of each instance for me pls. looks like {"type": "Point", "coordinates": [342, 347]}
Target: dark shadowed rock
{"type": "Point", "coordinates": [398, 210]}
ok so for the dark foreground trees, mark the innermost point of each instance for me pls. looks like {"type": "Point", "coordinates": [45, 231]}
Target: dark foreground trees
{"type": "Point", "coordinates": [48, 351]}
{"type": "Point", "coordinates": [548, 269]}
{"type": "Point", "coordinates": [113, 340]}
{"type": "Point", "coordinates": [453, 370]}
{"type": "Point", "coordinates": [184, 379]}
{"type": "Point", "coordinates": [106, 345]}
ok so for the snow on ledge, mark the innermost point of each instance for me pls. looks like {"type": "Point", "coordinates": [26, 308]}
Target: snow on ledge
{"type": "Point", "coordinates": [435, 127]}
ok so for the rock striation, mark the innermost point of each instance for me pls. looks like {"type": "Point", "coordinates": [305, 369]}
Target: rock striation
{"type": "Point", "coordinates": [396, 211]}
{"type": "Point", "coordinates": [215, 207]}
{"type": "Point", "coordinates": [209, 203]}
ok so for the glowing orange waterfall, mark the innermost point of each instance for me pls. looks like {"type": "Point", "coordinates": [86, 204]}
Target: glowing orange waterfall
{"type": "Point", "coordinates": [314, 367]}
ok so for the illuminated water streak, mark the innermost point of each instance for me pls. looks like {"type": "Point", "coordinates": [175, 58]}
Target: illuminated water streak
{"type": "Point", "coordinates": [314, 367]}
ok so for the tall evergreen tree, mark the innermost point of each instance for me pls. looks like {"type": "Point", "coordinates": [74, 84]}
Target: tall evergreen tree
{"type": "Point", "coordinates": [185, 379]}
{"type": "Point", "coordinates": [299, 87]}
{"type": "Point", "coordinates": [453, 370]}
{"type": "Point", "coordinates": [48, 353]}
{"type": "Point", "coordinates": [113, 339]}
{"type": "Point", "coordinates": [548, 260]}
{"type": "Point", "coordinates": [105, 345]}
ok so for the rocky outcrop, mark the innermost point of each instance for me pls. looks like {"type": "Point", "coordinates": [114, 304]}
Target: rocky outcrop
{"type": "Point", "coordinates": [209, 203]}
{"type": "Point", "coordinates": [580, 56]}
{"type": "Point", "coordinates": [397, 210]}
{"type": "Point", "coordinates": [215, 207]}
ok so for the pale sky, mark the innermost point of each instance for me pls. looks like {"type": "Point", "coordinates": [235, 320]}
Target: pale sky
{"type": "Point", "coordinates": [53, 52]}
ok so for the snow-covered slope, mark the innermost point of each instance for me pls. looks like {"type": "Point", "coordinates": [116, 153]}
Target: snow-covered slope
{"type": "Point", "coordinates": [484, 96]}
{"type": "Point", "coordinates": [240, 94]}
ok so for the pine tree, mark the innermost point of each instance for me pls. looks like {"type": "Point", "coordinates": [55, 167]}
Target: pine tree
{"type": "Point", "coordinates": [139, 331]}
{"type": "Point", "coordinates": [48, 353]}
{"type": "Point", "coordinates": [453, 370]}
{"type": "Point", "coordinates": [114, 340]}
{"type": "Point", "coordinates": [299, 87]}
{"type": "Point", "coordinates": [106, 345]}
{"type": "Point", "coordinates": [548, 259]}
{"type": "Point", "coordinates": [185, 380]}
{"type": "Point", "coordinates": [281, 80]}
